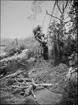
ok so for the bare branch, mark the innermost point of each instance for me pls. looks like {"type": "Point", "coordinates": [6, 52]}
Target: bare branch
{"type": "Point", "coordinates": [66, 4]}
{"type": "Point", "coordinates": [66, 22]}
{"type": "Point", "coordinates": [14, 74]}
{"type": "Point", "coordinates": [59, 8]}
{"type": "Point", "coordinates": [53, 16]}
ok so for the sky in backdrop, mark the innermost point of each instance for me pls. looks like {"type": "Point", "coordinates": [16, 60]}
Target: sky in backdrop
{"type": "Point", "coordinates": [15, 22]}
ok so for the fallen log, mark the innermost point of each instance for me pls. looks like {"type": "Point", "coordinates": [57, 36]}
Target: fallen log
{"type": "Point", "coordinates": [29, 91]}
{"type": "Point", "coordinates": [29, 88]}
{"type": "Point", "coordinates": [37, 85]}
{"type": "Point", "coordinates": [14, 74]}
{"type": "Point", "coordinates": [45, 85]}
{"type": "Point", "coordinates": [24, 79]}
{"type": "Point", "coordinates": [22, 55]}
{"type": "Point", "coordinates": [20, 87]}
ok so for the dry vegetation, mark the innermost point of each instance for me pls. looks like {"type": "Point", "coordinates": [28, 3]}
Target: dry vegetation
{"type": "Point", "coordinates": [42, 72]}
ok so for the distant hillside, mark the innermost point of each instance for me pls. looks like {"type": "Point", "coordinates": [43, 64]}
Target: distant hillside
{"type": "Point", "coordinates": [29, 43]}
{"type": "Point", "coordinates": [5, 41]}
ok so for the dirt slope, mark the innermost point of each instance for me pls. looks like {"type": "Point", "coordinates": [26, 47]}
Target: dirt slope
{"type": "Point", "coordinates": [41, 72]}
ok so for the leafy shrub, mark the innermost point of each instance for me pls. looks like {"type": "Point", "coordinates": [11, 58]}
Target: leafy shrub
{"type": "Point", "coordinates": [22, 47]}
{"type": "Point", "coordinates": [69, 94]}
{"type": "Point", "coordinates": [31, 54]}
{"type": "Point", "coordinates": [12, 52]}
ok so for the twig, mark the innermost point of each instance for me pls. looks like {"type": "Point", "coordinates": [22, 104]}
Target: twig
{"type": "Point", "coordinates": [66, 5]}
{"type": "Point", "coordinates": [53, 16]}
{"type": "Point", "coordinates": [20, 87]}
{"type": "Point", "coordinates": [59, 8]}
{"type": "Point", "coordinates": [14, 74]}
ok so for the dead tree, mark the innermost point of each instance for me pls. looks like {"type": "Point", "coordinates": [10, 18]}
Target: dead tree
{"type": "Point", "coordinates": [60, 31]}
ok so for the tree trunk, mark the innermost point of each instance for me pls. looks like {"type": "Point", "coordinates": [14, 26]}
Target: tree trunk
{"type": "Point", "coordinates": [76, 11]}
{"type": "Point", "coordinates": [45, 51]}
{"type": "Point", "coordinates": [55, 52]}
{"type": "Point", "coordinates": [50, 47]}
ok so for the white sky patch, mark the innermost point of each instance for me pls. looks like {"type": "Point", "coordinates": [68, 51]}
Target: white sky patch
{"type": "Point", "coordinates": [14, 21]}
